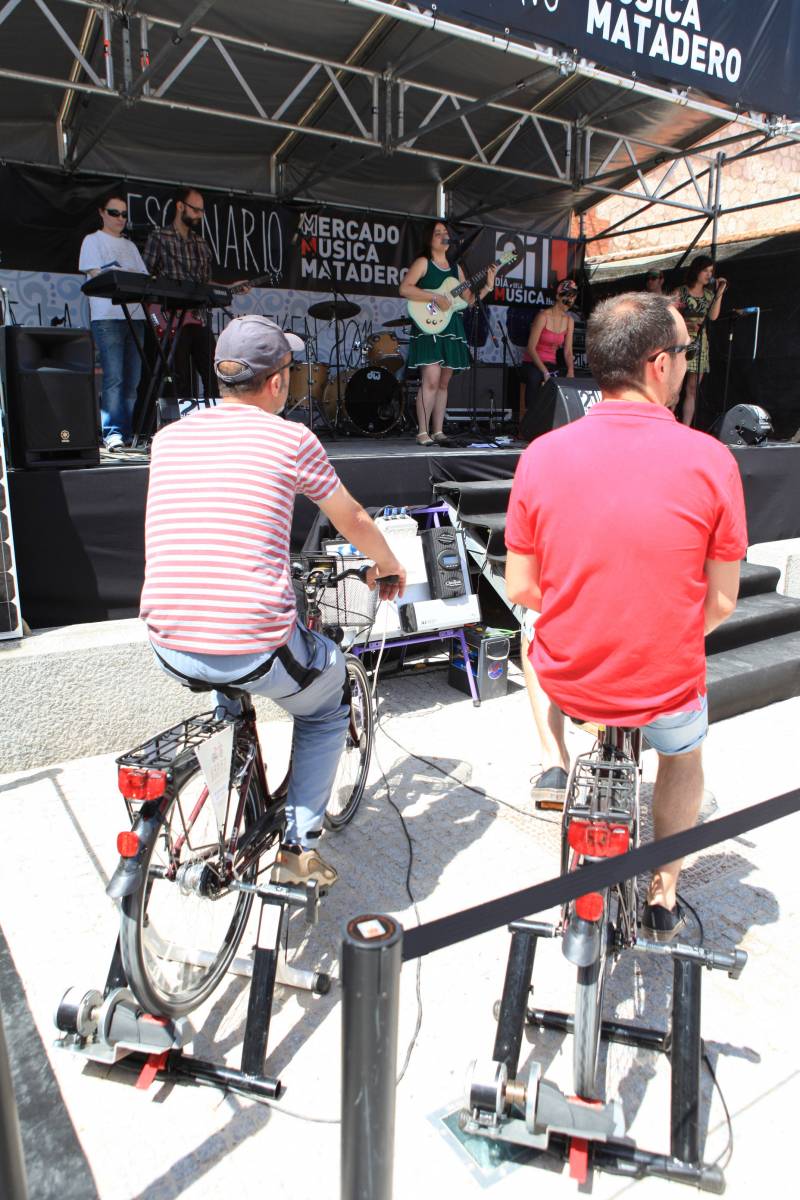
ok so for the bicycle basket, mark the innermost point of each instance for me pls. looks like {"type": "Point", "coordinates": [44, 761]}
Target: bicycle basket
{"type": "Point", "coordinates": [349, 603]}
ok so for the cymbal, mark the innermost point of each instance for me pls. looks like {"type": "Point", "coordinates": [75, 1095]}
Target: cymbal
{"type": "Point", "coordinates": [396, 322]}
{"type": "Point", "coordinates": [334, 310]}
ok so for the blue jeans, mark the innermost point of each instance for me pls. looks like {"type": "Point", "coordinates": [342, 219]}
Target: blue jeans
{"type": "Point", "coordinates": [122, 369]}
{"type": "Point", "coordinates": [320, 716]}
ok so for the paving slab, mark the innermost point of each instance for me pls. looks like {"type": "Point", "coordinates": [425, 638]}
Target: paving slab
{"type": "Point", "coordinates": [460, 776]}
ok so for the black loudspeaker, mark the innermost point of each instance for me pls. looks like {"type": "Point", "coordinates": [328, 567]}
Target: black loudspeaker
{"type": "Point", "coordinates": [489, 381]}
{"type": "Point", "coordinates": [10, 617]}
{"type": "Point", "coordinates": [50, 397]}
{"type": "Point", "coordinates": [743, 425]}
{"type": "Point", "coordinates": [558, 402]}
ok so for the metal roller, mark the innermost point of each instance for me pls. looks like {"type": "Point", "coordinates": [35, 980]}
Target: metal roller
{"type": "Point", "coordinates": [486, 1086]}
{"type": "Point", "coordinates": [77, 1012]}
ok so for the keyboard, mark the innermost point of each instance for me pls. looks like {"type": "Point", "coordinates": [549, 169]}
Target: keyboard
{"type": "Point", "coordinates": [131, 287]}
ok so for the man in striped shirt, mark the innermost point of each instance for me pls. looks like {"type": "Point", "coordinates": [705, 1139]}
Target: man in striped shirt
{"type": "Point", "coordinates": [218, 599]}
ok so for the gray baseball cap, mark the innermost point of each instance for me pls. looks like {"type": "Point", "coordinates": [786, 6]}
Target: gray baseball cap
{"type": "Point", "coordinates": [256, 344]}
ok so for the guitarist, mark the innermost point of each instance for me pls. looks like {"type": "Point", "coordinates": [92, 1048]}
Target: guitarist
{"type": "Point", "coordinates": [436, 355]}
{"type": "Point", "coordinates": [179, 251]}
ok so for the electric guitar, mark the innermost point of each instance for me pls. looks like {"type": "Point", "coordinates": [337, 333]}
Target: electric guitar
{"type": "Point", "coordinates": [165, 320]}
{"type": "Point", "coordinates": [430, 318]}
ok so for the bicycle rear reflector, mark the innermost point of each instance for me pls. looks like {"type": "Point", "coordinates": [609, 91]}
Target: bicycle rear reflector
{"type": "Point", "coordinates": [598, 839]}
{"type": "Point", "coordinates": [589, 907]}
{"type": "Point", "coordinates": [128, 844]}
{"type": "Point", "coordinates": [137, 784]}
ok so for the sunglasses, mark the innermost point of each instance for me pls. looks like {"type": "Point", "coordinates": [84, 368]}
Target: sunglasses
{"type": "Point", "coordinates": [117, 212]}
{"type": "Point", "coordinates": [688, 348]}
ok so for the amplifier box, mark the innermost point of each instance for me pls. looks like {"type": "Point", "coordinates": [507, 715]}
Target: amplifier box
{"type": "Point", "coordinates": [426, 615]}
{"type": "Point", "coordinates": [440, 548]}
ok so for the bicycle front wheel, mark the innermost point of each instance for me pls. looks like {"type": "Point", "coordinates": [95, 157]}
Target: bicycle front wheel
{"type": "Point", "coordinates": [351, 775]}
{"type": "Point", "coordinates": [589, 1018]}
{"type": "Point", "coordinates": [179, 931]}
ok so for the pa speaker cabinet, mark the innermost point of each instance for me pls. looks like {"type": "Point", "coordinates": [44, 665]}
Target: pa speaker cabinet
{"type": "Point", "coordinates": [558, 402]}
{"type": "Point", "coordinates": [489, 383]}
{"type": "Point", "coordinates": [10, 615]}
{"type": "Point", "coordinates": [52, 411]}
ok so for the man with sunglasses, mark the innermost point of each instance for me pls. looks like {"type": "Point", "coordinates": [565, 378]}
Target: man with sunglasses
{"type": "Point", "coordinates": [625, 531]}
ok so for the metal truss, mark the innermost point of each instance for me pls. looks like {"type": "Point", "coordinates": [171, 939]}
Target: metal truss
{"type": "Point", "coordinates": [373, 109]}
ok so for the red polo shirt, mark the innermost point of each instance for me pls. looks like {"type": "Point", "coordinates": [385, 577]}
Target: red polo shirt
{"type": "Point", "coordinates": [622, 509]}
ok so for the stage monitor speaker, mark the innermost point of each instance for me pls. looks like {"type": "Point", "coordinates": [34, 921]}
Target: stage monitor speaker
{"type": "Point", "coordinates": [50, 399]}
{"type": "Point", "coordinates": [559, 401]}
{"type": "Point", "coordinates": [10, 617]}
{"type": "Point", "coordinates": [743, 425]}
{"type": "Point", "coordinates": [489, 382]}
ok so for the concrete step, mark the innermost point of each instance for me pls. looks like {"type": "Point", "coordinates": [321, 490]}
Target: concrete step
{"type": "Point", "coordinates": [753, 676]}
{"type": "Point", "coordinates": [756, 578]}
{"type": "Point", "coordinates": [756, 618]}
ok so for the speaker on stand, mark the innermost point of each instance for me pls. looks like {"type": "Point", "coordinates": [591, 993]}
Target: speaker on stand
{"type": "Point", "coordinates": [49, 395]}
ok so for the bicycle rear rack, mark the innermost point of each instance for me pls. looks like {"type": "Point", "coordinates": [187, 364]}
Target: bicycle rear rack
{"type": "Point", "coordinates": [531, 1112]}
{"type": "Point", "coordinates": [111, 1027]}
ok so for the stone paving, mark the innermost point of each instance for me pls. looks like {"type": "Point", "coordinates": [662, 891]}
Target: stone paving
{"type": "Point", "coordinates": [460, 776]}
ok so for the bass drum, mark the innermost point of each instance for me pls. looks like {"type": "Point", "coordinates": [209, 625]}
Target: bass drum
{"type": "Point", "coordinates": [372, 401]}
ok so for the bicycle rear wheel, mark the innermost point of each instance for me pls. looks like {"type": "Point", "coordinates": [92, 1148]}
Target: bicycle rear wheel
{"type": "Point", "coordinates": [180, 930]}
{"type": "Point", "coordinates": [589, 992]}
{"type": "Point", "coordinates": [351, 775]}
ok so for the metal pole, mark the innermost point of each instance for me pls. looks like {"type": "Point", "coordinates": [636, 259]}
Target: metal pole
{"type": "Point", "coordinates": [685, 1061]}
{"type": "Point", "coordinates": [371, 960]}
{"type": "Point", "coordinates": [13, 1185]}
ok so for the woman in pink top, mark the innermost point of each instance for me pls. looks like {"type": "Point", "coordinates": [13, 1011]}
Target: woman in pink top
{"type": "Point", "coordinates": [551, 331]}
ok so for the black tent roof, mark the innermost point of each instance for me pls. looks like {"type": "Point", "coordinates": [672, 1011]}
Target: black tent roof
{"type": "Point", "coordinates": [317, 100]}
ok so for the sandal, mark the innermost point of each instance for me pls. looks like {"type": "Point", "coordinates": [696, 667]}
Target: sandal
{"type": "Point", "coordinates": [424, 439]}
{"type": "Point", "coordinates": [441, 439]}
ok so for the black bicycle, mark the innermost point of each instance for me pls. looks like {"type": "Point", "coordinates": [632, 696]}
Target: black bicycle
{"type": "Point", "coordinates": [601, 819]}
{"type": "Point", "coordinates": [191, 859]}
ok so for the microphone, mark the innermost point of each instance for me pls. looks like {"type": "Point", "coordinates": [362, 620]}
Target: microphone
{"type": "Point", "coordinates": [743, 312]}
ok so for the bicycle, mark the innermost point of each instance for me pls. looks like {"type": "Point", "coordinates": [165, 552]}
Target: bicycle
{"type": "Point", "coordinates": [190, 862]}
{"type": "Point", "coordinates": [601, 819]}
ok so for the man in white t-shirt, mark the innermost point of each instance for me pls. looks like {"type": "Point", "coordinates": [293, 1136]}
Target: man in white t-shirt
{"type": "Point", "coordinates": [108, 249]}
{"type": "Point", "coordinates": [218, 599]}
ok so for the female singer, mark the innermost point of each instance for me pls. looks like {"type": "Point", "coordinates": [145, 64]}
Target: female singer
{"type": "Point", "coordinates": [698, 302]}
{"type": "Point", "coordinates": [551, 331]}
{"type": "Point", "coordinates": [437, 355]}
{"type": "Point", "coordinates": [103, 250]}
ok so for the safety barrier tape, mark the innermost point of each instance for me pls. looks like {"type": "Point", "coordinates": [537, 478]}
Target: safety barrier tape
{"type": "Point", "coordinates": [594, 877]}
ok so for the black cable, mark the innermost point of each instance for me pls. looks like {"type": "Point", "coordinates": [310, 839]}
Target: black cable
{"type": "Point", "coordinates": [469, 787]}
{"type": "Point", "coordinates": [727, 1153]}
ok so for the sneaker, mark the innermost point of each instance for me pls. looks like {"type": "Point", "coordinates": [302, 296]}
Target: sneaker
{"type": "Point", "coordinates": [297, 866]}
{"type": "Point", "coordinates": [662, 924]}
{"type": "Point", "coordinates": [549, 789]}
{"type": "Point", "coordinates": [114, 442]}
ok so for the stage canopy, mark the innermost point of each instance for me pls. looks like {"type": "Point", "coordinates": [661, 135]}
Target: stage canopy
{"type": "Point", "coordinates": [513, 114]}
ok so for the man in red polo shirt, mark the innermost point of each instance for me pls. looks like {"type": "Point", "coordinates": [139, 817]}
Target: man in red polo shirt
{"type": "Point", "coordinates": [625, 531]}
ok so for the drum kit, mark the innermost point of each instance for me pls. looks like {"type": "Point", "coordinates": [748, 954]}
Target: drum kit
{"type": "Point", "coordinates": [359, 391]}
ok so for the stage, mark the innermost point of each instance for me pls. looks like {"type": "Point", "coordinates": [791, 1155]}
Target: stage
{"type": "Point", "coordinates": [79, 534]}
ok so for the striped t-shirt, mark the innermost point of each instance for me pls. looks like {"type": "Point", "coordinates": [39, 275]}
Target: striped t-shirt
{"type": "Point", "coordinates": [219, 515]}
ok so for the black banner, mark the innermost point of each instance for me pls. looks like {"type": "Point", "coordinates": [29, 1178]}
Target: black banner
{"type": "Point", "coordinates": [45, 214]}
{"type": "Point", "coordinates": [745, 54]}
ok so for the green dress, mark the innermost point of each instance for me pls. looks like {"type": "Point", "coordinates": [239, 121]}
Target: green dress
{"type": "Point", "coordinates": [448, 347]}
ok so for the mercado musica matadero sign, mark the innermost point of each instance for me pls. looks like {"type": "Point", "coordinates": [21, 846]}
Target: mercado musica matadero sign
{"type": "Point", "coordinates": [744, 53]}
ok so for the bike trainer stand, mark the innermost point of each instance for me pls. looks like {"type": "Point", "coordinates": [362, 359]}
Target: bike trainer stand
{"type": "Point", "coordinates": [534, 1113]}
{"type": "Point", "coordinates": [111, 1027]}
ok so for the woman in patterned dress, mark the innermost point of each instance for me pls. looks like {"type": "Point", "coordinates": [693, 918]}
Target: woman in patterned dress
{"type": "Point", "coordinates": [436, 355]}
{"type": "Point", "coordinates": [698, 302]}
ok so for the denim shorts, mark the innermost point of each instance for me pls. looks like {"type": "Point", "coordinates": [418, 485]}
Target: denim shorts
{"type": "Point", "coordinates": [678, 732]}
